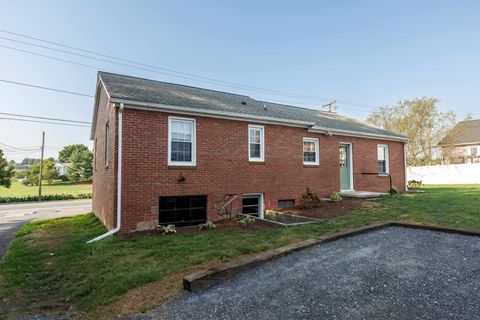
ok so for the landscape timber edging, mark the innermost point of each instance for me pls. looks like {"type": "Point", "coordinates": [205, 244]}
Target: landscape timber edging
{"type": "Point", "coordinates": [203, 279]}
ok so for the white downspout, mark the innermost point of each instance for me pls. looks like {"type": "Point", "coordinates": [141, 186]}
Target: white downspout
{"type": "Point", "coordinates": [119, 180]}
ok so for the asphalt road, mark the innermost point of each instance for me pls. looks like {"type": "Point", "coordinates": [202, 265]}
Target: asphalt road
{"type": "Point", "coordinates": [394, 273]}
{"type": "Point", "coordinates": [13, 216]}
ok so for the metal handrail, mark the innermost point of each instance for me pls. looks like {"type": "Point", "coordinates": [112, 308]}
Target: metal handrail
{"type": "Point", "coordinates": [381, 174]}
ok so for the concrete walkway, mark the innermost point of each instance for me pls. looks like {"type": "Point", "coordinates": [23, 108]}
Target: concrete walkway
{"type": "Point", "coordinates": [13, 216]}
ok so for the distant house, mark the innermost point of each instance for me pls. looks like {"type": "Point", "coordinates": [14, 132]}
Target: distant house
{"type": "Point", "coordinates": [169, 153]}
{"type": "Point", "coordinates": [62, 168]}
{"type": "Point", "coordinates": [462, 143]}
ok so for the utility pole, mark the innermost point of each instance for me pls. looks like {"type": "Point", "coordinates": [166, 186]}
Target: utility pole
{"type": "Point", "coordinates": [331, 107]}
{"type": "Point", "coordinates": [41, 169]}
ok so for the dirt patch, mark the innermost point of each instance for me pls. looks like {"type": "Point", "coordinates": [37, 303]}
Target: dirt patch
{"type": "Point", "coordinates": [222, 225]}
{"type": "Point", "coordinates": [147, 297]}
{"type": "Point", "coordinates": [327, 209]}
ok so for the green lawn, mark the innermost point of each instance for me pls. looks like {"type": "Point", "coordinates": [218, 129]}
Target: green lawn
{"type": "Point", "coordinates": [19, 190]}
{"type": "Point", "coordinates": [49, 264]}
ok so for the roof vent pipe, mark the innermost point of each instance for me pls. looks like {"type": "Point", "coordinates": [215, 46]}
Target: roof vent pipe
{"type": "Point", "coordinates": [119, 180]}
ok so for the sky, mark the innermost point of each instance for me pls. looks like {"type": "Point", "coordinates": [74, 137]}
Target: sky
{"type": "Point", "coordinates": [364, 54]}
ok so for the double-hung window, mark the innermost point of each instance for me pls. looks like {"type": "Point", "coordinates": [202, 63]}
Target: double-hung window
{"type": "Point", "coordinates": [256, 147]}
{"type": "Point", "coordinates": [181, 141]}
{"type": "Point", "coordinates": [382, 157]}
{"type": "Point", "coordinates": [311, 154]}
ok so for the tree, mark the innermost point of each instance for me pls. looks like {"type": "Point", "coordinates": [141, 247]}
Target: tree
{"type": "Point", "coordinates": [65, 154]}
{"type": "Point", "coordinates": [80, 165]}
{"type": "Point", "coordinates": [6, 172]}
{"type": "Point", "coordinates": [29, 161]}
{"type": "Point", "coordinates": [49, 172]}
{"type": "Point", "coordinates": [421, 121]}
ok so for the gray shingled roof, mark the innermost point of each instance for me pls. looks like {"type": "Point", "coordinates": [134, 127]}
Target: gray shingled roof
{"type": "Point", "coordinates": [464, 132]}
{"type": "Point", "coordinates": [157, 92]}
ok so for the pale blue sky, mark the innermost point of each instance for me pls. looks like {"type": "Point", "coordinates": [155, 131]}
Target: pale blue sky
{"type": "Point", "coordinates": [370, 52]}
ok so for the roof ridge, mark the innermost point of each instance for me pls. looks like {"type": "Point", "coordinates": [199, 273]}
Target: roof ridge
{"type": "Point", "coordinates": [173, 83]}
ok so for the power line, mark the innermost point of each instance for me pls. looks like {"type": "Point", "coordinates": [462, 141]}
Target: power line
{"type": "Point", "coordinates": [43, 118]}
{"type": "Point", "coordinates": [45, 88]}
{"type": "Point", "coordinates": [19, 148]}
{"type": "Point", "coordinates": [47, 122]}
{"type": "Point", "coordinates": [166, 71]}
{"type": "Point", "coordinates": [50, 57]}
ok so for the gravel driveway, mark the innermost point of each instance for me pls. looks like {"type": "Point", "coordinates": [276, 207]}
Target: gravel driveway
{"type": "Point", "coordinates": [394, 273]}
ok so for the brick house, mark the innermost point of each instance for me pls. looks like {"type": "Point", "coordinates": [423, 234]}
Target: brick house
{"type": "Point", "coordinates": [169, 153]}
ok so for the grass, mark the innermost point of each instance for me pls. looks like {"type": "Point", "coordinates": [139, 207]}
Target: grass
{"type": "Point", "coordinates": [19, 190]}
{"type": "Point", "coordinates": [49, 265]}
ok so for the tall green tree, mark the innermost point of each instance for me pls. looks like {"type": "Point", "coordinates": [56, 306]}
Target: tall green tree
{"type": "Point", "coordinates": [80, 165]}
{"type": "Point", "coordinates": [49, 172]}
{"type": "Point", "coordinates": [65, 154]}
{"type": "Point", "coordinates": [6, 171]}
{"type": "Point", "coordinates": [421, 121]}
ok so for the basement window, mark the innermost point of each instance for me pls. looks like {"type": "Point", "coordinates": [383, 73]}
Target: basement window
{"type": "Point", "coordinates": [286, 203]}
{"type": "Point", "coordinates": [252, 204]}
{"type": "Point", "coordinates": [183, 210]}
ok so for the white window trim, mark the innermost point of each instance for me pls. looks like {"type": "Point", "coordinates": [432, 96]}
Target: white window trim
{"type": "Point", "coordinates": [317, 152]}
{"type": "Point", "coordinates": [262, 143]}
{"type": "Point", "coordinates": [261, 207]}
{"type": "Point", "coordinates": [194, 143]}
{"type": "Point", "coordinates": [387, 159]}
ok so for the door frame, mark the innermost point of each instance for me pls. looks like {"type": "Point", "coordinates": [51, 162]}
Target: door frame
{"type": "Point", "coordinates": [350, 159]}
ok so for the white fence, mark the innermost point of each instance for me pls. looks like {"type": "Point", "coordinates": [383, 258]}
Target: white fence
{"type": "Point", "coordinates": [446, 174]}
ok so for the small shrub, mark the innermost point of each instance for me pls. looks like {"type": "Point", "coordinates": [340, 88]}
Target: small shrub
{"type": "Point", "coordinates": [20, 174]}
{"type": "Point", "coordinates": [413, 184]}
{"type": "Point", "coordinates": [393, 190]}
{"type": "Point", "coordinates": [335, 197]}
{"type": "Point", "coordinates": [209, 225]}
{"type": "Point", "coordinates": [246, 221]}
{"type": "Point", "coordinates": [310, 199]}
{"type": "Point", "coordinates": [63, 178]}
{"type": "Point", "coordinates": [169, 229]}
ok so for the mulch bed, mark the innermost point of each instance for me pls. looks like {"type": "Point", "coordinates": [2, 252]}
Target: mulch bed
{"type": "Point", "coordinates": [221, 225]}
{"type": "Point", "coordinates": [327, 209]}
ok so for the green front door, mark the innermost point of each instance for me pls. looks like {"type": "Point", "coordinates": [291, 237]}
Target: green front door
{"type": "Point", "coordinates": [345, 167]}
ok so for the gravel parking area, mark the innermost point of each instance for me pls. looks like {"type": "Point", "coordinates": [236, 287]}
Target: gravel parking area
{"type": "Point", "coordinates": [394, 273]}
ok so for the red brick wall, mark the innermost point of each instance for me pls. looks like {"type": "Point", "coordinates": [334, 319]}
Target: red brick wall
{"type": "Point", "coordinates": [223, 166]}
{"type": "Point", "coordinates": [104, 174]}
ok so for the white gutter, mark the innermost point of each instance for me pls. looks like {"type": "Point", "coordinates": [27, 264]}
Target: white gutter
{"type": "Point", "coordinates": [349, 133]}
{"type": "Point", "coordinates": [119, 180]}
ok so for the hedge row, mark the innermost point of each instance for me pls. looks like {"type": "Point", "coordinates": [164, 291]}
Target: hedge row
{"type": "Point", "coordinates": [47, 197]}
